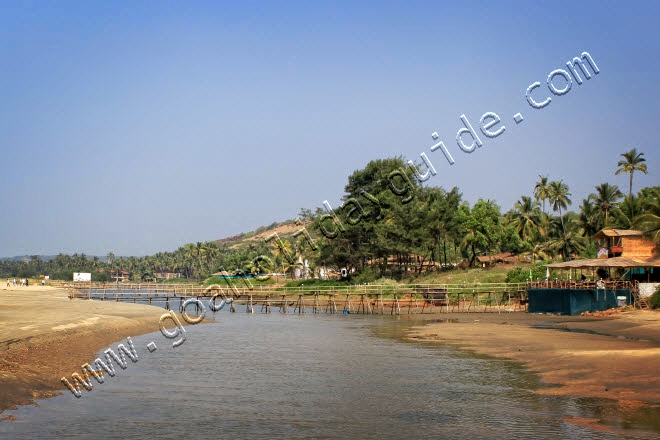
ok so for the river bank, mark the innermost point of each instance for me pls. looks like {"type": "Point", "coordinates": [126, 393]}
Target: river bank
{"type": "Point", "coordinates": [613, 357]}
{"type": "Point", "coordinates": [44, 336]}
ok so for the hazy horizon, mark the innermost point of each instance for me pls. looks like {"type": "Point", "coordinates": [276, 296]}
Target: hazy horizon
{"type": "Point", "coordinates": [136, 128]}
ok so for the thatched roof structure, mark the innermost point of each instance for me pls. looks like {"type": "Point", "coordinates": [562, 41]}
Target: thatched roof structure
{"type": "Point", "coordinates": [618, 233]}
{"type": "Point", "coordinates": [622, 262]}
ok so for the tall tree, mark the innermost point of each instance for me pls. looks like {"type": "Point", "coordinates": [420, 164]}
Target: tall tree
{"type": "Point", "coordinates": [541, 190]}
{"type": "Point", "coordinates": [526, 218]}
{"type": "Point", "coordinates": [588, 219]}
{"type": "Point", "coordinates": [649, 222]}
{"type": "Point", "coordinates": [558, 197]}
{"type": "Point", "coordinates": [481, 226]}
{"type": "Point", "coordinates": [627, 213]}
{"type": "Point", "coordinates": [605, 200]}
{"type": "Point", "coordinates": [632, 161]}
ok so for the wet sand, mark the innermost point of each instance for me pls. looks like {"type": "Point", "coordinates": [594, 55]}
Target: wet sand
{"type": "Point", "coordinates": [615, 357]}
{"type": "Point", "coordinates": [44, 336]}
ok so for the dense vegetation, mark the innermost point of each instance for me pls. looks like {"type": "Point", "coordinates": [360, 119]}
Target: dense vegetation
{"type": "Point", "coordinates": [391, 225]}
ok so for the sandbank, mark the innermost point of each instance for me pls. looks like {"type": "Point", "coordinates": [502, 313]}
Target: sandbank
{"type": "Point", "coordinates": [614, 357]}
{"type": "Point", "coordinates": [44, 336]}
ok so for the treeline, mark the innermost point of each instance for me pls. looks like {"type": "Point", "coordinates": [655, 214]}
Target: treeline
{"type": "Point", "coordinates": [390, 224]}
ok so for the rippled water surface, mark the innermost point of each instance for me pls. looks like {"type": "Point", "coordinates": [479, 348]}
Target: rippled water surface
{"type": "Point", "coordinates": [323, 377]}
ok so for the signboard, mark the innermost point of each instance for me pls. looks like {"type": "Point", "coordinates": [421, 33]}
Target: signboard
{"type": "Point", "coordinates": [82, 276]}
{"type": "Point", "coordinates": [621, 301]}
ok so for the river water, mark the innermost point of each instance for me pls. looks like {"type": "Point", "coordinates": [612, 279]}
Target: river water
{"type": "Point", "coordinates": [285, 376]}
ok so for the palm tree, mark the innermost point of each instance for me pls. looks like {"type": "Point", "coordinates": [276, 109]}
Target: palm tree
{"type": "Point", "coordinates": [631, 162]}
{"type": "Point", "coordinates": [558, 198]}
{"type": "Point", "coordinates": [571, 242]}
{"type": "Point", "coordinates": [649, 222]}
{"type": "Point", "coordinates": [526, 218]}
{"type": "Point", "coordinates": [284, 251]}
{"type": "Point", "coordinates": [587, 219]}
{"type": "Point", "coordinates": [627, 212]}
{"type": "Point", "coordinates": [605, 200]}
{"type": "Point", "coordinates": [541, 190]}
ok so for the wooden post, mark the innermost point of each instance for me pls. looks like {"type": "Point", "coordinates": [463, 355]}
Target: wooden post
{"type": "Point", "coordinates": [347, 303]}
{"type": "Point", "coordinates": [395, 305]}
{"type": "Point", "coordinates": [300, 304]}
{"type": "Point", "coordinates": [266, 304]}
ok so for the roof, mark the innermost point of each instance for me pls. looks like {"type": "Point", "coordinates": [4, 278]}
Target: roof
{"type": "Point", "coordinates": [504, 256]}
{"type": "Point", "coordinates": [624, 262]}
{"type": "Point", "coordinates": [618, 233]}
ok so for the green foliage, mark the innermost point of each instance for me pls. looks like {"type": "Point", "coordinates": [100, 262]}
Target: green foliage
{"type": "Point", "coordinates": [481, 227]}
{"type": "Point", "coordinates": [239, 281]}
{"type": "Point", "coordinates": [64, 275]}
{"type": "Point", "coordinates": [365, 276]}
{"type": "Point", "coordinates": [522, 274]}
{"type": "Point", "coordinates": [655, 299]}
{"type": "Point", "coordinates": [102, 277]}
{"type": "Point", "coordinates": [314, 282]}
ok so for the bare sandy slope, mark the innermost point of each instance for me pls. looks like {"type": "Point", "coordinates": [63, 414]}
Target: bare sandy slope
{"type": "Point", "coordinates": [44, 336]}
{"type": "Point", "coordinates": [621, 361]}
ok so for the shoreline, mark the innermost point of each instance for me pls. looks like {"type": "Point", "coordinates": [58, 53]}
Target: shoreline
{"type": "Point", "coordinates": [44, 336]}
{"type": "Point", "coordinates": [614, 357]}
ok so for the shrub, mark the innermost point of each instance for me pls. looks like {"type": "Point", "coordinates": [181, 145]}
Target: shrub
{"type": "Point", "coordinates": [521, 274]}
{"type": "Point", "coordinates": [315, 282]}
{"type": "Point", "coordinates": [655, 299]}
{"type": "Point", "coordinates": [366, 275]}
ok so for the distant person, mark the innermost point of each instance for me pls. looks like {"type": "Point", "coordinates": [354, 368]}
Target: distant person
{"type": "Point", "coordinates": [43, 282]}
{"type": "Point", "coordinates": [14, 282]}
{"type": "Point", "coordinates": [8, 283]}
{"type": "Point", "coordinates": [26, 282]}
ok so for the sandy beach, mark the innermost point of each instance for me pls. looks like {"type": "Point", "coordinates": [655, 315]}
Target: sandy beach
{"type": "Point", "coordinates": [44, 336]}
{"type": "Point", "coordinates": [614, 357]}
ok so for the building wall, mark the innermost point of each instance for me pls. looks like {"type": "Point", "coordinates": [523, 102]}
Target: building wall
{"type": "Point", "coordinates": [574, 301]}
{"type": "Point", "coordinates": [637, 246]}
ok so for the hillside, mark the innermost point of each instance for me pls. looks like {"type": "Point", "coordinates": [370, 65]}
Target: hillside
{"type": "Point", "coordinates": [284, 229]}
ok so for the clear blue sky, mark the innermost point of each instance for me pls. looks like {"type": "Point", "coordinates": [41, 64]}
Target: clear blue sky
{"type": "Point", "coordinates": [138, 127]}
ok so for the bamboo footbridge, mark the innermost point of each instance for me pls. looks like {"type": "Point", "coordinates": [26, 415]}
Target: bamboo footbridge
{"type": "Point", "coordinates": [365, 299]}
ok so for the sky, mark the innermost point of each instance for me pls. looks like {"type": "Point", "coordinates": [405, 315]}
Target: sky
{"type": "Point", "coordinates": [136, 127]}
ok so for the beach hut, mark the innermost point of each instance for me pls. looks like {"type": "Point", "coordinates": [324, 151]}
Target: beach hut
{"type": "Point", "coordinates": [626, 274]}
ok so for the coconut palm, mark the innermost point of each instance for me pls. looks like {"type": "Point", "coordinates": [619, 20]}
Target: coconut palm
{"type": "Point", "coordinates": [571, 241]}
{"type": "Point", "coordinates": [541, 190]}
{"type": "Point", "coordinates": [605, 200]}
{"type": "Point", "coordinates": [587, 218]}
{"type": "Point", "coordinates": [649, 222]}
{"type": "Point", "coordinates": [526, 218]}
{"type": "Point", "coordinates": [627, 213]}
{"type": "Point", "coordinates": [632, 161]}
{"type": "Point", "coordinates": [558, 198]}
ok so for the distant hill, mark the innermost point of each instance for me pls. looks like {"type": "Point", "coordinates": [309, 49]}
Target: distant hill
{"type": "Point", "coordinates": [284, 229]}
{"type": "Point", "coordinates": [28, 258]}
{"type": "Point", "coordinates": [44, 258]}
